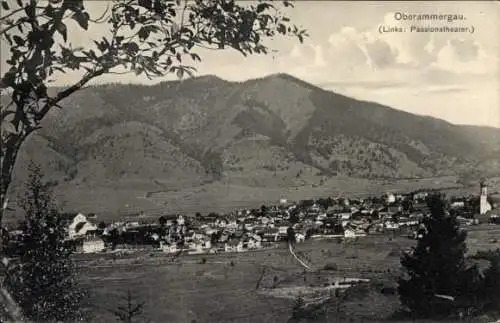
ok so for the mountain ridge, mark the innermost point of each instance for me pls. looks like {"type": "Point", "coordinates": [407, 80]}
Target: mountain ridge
{"type": "Point", "coordinates": [273, 130]}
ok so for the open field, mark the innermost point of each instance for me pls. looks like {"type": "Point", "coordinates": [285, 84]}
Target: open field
{"type": "Point", "coordinates": [115, 200]}
{"type": "Point", "coordinates": [218, 292]}
{"type": "Point", "coordinates": [223, 289]}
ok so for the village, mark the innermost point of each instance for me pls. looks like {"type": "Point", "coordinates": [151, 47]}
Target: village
{"type": "Point", "coordinates": [268, 226]}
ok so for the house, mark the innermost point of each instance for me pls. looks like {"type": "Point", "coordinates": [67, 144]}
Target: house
{"type": "Point", "coordinates": [457, 204]}
{"type": "Point", "coordinates": [224, 237]}
{"type": "Point", "coordinates": [494, 218]}
{"type": "Point", "coordinates": [345, 215]}
{"type": "Point", "coordinates": [169, 248]}
{"type": "Point", "coordinates": [131, 224]}
{"type": "Point", "coordinates": [390, 198]}
{"type": "Point", "coordinates": [349, 233]}
{"type": "Point", "coordinates": [92, 245]}
{"type": "Point", "coordinates": [232, 225]}
{"type": "Point", "coordinates": [420, 196]}
{"type": "Point", "coordinates": [300, 237]}
{"type": "Point", "coordinates": [171, 219]}
{"type": "Point", "coordinates": [390, 225]}
{"type": "Point", "coordinates": [254, 242]}
{"type": "Point", "coordinates": [271, 234]}
{"type": "Point", "coordinates": [199, 247]}
{"type": "Point", "coordinates": [240, 247]}
{"type": "Point", "coordinates": [321, 217]}
{"type": "Point", "coordinates": [282, 230]}
{"type": "Point", "coordinates": [181, 220]}
{"type": "Point", "coordinates": [77, 224]}
{"type": "Point", "coordinates": [221, 222]}
{"type": "Point", "coordinates": [394, 208]}
{"type": "Point", "coordinates": [233, 245]}
{"type": "Point", "coordinates": [463, 221]}
{"type": "Point", "coordinates": [334, 209]}
{"type": "Point", "coordinates": [209, 231]}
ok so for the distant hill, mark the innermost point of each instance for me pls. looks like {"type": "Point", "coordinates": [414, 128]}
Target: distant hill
{"type": "Point", "coordinates": [277, 130]}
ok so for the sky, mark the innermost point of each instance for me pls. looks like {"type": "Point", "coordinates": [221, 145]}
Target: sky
{"type": "Point", "coordinates": [453, 76]}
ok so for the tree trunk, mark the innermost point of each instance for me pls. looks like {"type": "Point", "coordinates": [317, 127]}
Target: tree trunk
{"type": "Point", "coordinates": [10, 150]}
{"type": "Point", "coordinates": [10, 307]}
{"type": "Point", "coordinates": [7, 302]}
{"type": "Point", "coordinates": [4, 186]}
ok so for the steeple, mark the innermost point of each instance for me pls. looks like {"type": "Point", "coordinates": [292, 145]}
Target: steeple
{"type": "Point", "coordinates": [484, 205]}
{"type": "Point", "coordinates": [484, 187]}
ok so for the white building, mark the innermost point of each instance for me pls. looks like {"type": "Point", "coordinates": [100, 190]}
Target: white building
{"type": "Point", "coordinates": [283, 230]}
{"type": "Point", "coordinates": [390, 198]}
{"type": "Point", "coordinates": [484, 205]}
{"type": "Point", "coordinates": [93, 244]}
{"type": "Point", "coordinates": [458, 204]}
{"type": "Point", "coordinates": [254, 243]}
{"type": "Point", "coordinates": [169, 248]}
{"type": "Point", "coordinates": [234, 246]}
{"type": "Point", "coordinates": [181, 220]}
{"type": "Point", "coordinates": [299, 237]}
{"type": "Point", "coordinates": [349, 233]}
{"type": "Point", "coordinates": [78, 225]}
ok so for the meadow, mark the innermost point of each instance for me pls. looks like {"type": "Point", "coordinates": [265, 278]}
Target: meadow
{"type": "Point", "coordinates": [237, 288]}
{"type": "Point", "coordinates": [114, 201]}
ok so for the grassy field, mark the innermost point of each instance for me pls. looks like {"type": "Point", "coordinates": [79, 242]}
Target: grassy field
{"type": "Point", "coordinates": [115, 200]}
{"type": "Point", "coordinates": [223, 289]}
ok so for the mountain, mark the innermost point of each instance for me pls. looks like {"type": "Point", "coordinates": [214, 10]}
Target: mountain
{"type": "Point", "coordinates": [275, 131]}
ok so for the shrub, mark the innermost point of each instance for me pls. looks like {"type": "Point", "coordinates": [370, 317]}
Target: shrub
{"type": "Point", "coordinates": [394, 253]}
{"type": "Point", "coordinates": [330, 266]}
{"type": "Point", "coordinates": [388, 290]}
{"type": "Point", "coordinates": [435, 266]}
{"type": "Point", "coordinates": [44, 281]}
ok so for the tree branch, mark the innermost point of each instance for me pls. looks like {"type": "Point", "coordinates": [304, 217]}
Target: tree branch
{"type": "Point", "coordinates": [100, 19]}
{"type": "Point", "coordinates": [67, 92]}
{"type": "Point", "coordinates": [2, 19]}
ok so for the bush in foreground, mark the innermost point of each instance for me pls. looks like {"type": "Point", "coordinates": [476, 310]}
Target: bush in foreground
{"type": "Point", "coordinates": [43, 280]}
{"type": "Point", "coordinates": [439, 282]}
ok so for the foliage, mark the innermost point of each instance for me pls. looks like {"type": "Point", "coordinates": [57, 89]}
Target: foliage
{"type": "Point", "coordinates": [213, 164]}
{"type": "Point", "coordinates": [162, 220]}
{"type": "Point", "coordinates": [297, 306]}
{"type": "Point", "coordinates": [304, 204]}
{"type": "Point", "coordinates": [325, 203]}
{"type": "Point", "coordinates": [131, 311]}
{"type": "Point", "coordinates": [102, 225]}
{"type": "Point", "coordinates": [489, 292]}
{"type": "Point", "coordinates": [318, 311]}
{"type": "Point", "coordinates": [43, 281]}
{"type": "Point", "coordinates": [263, 210]}
{"type": "Point", "coordinates": [290, 236]}
{"type": "Point", "coordinates": [330, 266]}
{"type": "Point", "coordinates": [294, 217]}
{"type": "Point", "coordinates": [436, 266]}
{"type": "Point", "coordinates": [114, 238]}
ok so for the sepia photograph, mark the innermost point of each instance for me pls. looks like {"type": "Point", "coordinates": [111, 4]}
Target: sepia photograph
{"type": "Point", "coordinates": [206, 161]}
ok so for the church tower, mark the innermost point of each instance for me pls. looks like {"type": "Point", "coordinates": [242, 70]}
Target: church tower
{"type": "Point", "coordinates": [484, 206]}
